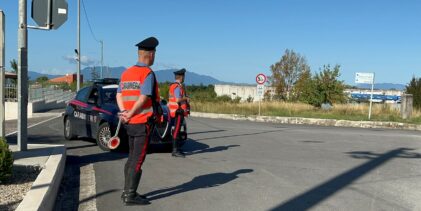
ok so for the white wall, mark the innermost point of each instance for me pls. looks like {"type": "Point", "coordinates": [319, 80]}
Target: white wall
{"type": "Point", "coordinates": [239, 91]}
{"type": "Point", "coordinates": [11, 108]}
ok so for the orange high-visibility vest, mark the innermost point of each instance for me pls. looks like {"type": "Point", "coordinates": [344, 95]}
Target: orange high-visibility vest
{"type": "Point", "coordinates": [172, 104]}
{"type": "Point", "coordinates": [131, 81]}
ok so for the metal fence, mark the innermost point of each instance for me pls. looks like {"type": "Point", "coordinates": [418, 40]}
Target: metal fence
{"type": "Point", "coordinates": [39, 93]}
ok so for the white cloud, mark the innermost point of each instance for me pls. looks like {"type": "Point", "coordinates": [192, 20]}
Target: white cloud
{"type": "Point", "coordinates": [84, 60]}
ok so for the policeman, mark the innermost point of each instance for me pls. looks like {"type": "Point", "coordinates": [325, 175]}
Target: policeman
{"type": "Point", "coordinates": [137, 98]}
{"type": "Point", "coordinates": [178, 105]}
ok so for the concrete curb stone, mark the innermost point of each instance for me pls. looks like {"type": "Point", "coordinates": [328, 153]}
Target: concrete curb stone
{"type": "Point", "coordinates": [312, 121]}
{"type": "Point", "coordinates": [43, 192]}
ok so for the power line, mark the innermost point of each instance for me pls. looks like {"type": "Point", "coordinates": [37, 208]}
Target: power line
{"type": "Point", "coordinates": [87, 20]}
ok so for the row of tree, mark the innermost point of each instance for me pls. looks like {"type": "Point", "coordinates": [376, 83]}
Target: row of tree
{"type": "Point", "coordinates": [294, 81]}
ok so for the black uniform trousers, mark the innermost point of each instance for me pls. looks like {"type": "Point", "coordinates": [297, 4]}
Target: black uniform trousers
{"type": "Point", "coordinates": [178, 121]}
{"type": "Point", "coordinates": [138, 146]}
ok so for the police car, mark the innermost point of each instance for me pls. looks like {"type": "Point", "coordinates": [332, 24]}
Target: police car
{"type": "Point", "coordinates": [93, 114]}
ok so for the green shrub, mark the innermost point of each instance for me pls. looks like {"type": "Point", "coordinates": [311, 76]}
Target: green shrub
{"type": "Point", "coordinates": [6, 161]}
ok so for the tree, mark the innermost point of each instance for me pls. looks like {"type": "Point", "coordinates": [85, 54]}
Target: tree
{"type": "Point", "coordinates": [286, 72]}
{"type": "Point", "coordinates": [14, 65]}
{"type": "Point", "coordinates": [329, 89]}
{"type": "Point", "coordinates": [414, 88]}
{"type": "Point", "coordinates": [42, 79]}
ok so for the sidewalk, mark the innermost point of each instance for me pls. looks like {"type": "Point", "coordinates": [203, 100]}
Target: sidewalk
{"type": "Point", "coordinates": [49, 159]}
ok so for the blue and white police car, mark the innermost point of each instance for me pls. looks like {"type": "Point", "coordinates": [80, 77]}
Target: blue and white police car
{"type": "Point", "coordinates": [93, 114]}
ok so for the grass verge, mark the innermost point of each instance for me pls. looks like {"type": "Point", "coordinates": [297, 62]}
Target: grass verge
{"type": "Point", "coordinates": [354, 112]}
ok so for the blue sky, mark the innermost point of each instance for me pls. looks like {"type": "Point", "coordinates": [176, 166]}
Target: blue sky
{"type": "Point", "coordinates": [233, 40]}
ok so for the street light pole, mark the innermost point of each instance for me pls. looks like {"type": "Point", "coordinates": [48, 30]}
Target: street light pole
{"type": "Point", "coordinates": [2, 70]}
{"type": "Point", "coordinates": [102, 58]}
{"type": "Point", "coordinates": [22, 77]}
{"type": "Point", "coordinates": [78, 46]}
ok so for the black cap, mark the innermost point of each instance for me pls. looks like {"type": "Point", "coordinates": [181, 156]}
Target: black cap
{"type": "Point", "coordinates": [180, 72]}
{"type": "Point", "coordinates": [148, 44]}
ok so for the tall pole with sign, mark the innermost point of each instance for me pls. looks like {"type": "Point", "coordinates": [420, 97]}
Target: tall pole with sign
{"type": "Point", "coordinates": [48, 15]}
{"type": "Point", "coordinates": [366, 78]}
{"type": "Point", "coordinates": [260, 80]}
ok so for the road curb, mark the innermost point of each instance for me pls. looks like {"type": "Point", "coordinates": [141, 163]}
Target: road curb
{"type": "Point", "coordinates": [43, 192]}
{"type": "Point", "coordinates": [312, 121]}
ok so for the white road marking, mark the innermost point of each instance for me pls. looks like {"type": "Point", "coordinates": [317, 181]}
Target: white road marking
{"type": "Point", "coordinates": [39, 123]}
{"type": "Point", "coordinates": [87, 191]}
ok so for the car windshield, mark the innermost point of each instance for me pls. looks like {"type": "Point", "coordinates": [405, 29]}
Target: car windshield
{"type": "Point", "coordinates": [109, 95]}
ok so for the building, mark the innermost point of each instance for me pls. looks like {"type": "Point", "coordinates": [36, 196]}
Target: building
{"type": "Point", "coordinates": [245, 92]}
{"type": "Point", "coordinates": [379, 96]}
{"type": "Point", "coordinates": [68, 78]}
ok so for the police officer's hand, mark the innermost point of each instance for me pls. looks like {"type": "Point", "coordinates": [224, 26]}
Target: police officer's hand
{"type": "Point", "coordinates": [129, 114]}
{"type": "Point", "coordinates": [122, 116]}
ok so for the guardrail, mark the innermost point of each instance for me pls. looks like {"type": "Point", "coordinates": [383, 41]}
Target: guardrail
{"type": "Point", "coordinates": [37, 94]}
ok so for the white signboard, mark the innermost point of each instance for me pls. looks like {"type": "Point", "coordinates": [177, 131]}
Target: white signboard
{"type": "Point", "coordinates": [260, 90]}
{"type": "Point", "coordinates": [364, 78]}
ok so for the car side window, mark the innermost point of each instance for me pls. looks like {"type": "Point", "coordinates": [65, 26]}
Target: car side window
{"type": "Point", "coordinates": [93, 97]}
{"type": "Point", "coordinates": [82, 95]}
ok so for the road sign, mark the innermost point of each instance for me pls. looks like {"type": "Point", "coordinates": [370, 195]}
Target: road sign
{"type": "Point", "coordinates": [364, 78]}
{"type": "Point", "coordinates": [46, 12]}
{"type": "Point", "coordinates": [260, 90]}
{"type": "Point", "coordinates": [261, 78]}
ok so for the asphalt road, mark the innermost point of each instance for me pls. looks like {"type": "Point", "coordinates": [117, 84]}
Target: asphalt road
{"type": "Point", "coordinates": [240, 165]}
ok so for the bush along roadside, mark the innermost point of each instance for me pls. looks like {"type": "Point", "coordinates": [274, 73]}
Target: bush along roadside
{"type": "Point", "coordinates": [6, 161]}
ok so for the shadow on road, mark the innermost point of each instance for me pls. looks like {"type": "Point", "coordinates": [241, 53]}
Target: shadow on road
{"type": "Point", "coordinates": [68, 195]}
{"type": "Point", "coordinates": [238, 135]}
{"type": "Point", "coordinates": [209, 131]}
{"type": "Point", "coordinates": [194, 147]}
{"type": "Point", "coordinates": [199, 182]}
{"type": "Point", "coordinates": [323, 191]}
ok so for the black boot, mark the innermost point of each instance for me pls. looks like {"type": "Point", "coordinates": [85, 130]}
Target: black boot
{"type": "Point", "coordinates": [126, 183]}
{"type": "Point", "coordinates": [175, 151]}
{"type": "Point", "coordinates": [130, 197]}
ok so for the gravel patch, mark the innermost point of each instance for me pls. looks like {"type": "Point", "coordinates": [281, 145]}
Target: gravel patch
{"type": "Point", "coordinates": [13, 190]}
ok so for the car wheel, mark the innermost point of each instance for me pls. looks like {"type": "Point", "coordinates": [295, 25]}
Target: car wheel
{"type": "Point", "coordinates": [163, 131]}
{"type": "Point", "coordinates": [103, 135]}
{"type": "Point", "coordinates": [68, 129]}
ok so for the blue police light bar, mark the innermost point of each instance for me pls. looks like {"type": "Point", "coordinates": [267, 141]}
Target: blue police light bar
{"type": "Point", "coordinates": [106, 81]}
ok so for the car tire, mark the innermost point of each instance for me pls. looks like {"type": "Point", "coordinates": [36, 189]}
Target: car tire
{"type": "Point", "coordinates": [68, 129]}
{"type": "Point", "coordinates": [103, 134]}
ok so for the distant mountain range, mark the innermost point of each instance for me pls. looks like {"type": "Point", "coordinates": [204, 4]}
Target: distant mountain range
{"type": "Point", "coordinates": [115, 72]}
{"type": "Point", "coordinates": [34, 75]}
{"type": "Point", "coordinates": [161, 75]}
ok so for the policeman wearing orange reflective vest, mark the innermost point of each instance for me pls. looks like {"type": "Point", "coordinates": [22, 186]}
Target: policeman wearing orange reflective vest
{"type": "Point", "coordinates": [179, 108]}
{"type": "Point", "coordinates": [138, 99]}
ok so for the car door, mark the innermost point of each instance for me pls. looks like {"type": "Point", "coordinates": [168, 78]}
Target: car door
{"type": "Point", "coordinates": [79, 105]}
{"type": "Point", "coordinates": [92, 112]}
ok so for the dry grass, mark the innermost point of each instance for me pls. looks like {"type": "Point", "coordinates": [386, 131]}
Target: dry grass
{"type": "Point", "coordinates": [358, 112]}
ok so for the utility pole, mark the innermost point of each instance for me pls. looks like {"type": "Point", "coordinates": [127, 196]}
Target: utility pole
{"type": "Point", "coordinates": [78, 46]}
{"type": "Point", "coordinates": [2, 70]}
{"type": "Point", "coordinates": [22, 77]}
{"type": "Point", "coordinates": [102, 58]}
